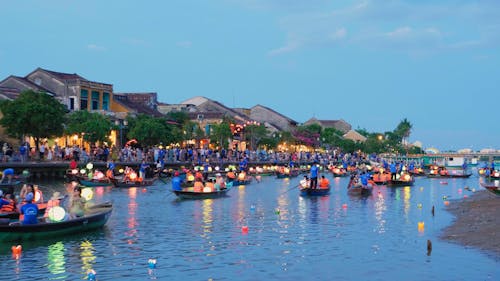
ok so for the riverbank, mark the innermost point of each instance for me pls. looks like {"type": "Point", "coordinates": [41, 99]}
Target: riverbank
{"type": "Point", "coordinates": [476, 223]}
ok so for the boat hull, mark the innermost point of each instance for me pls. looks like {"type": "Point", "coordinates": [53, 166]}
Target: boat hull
{"type": "Point", "coordinates": [359, 191]}
{"type": "Point", "coordinates": [19, 232]}
{"type": "Point", "coordinates": [492, 188]}
{"type": "Point", "coordinates": [314, 191]}
{"type": "Point", "coordinates": [201, 195]}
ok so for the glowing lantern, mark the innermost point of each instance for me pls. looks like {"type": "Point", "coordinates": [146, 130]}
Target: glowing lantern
{"type": "Point", "coordinates": [398, 176]}
{"type": "Point", "coordinates": [152, 263]}
{"type": "Point", "coordinates": [207, 189]}
{"type": "Point", "coordinates": [196, 168]}
{"type": "Point", "coordinates": [244, 229]}
{"type": "Point", "coordinates": [82, 171]}
{"type": "Point", "coordinates": [87, 193]}
{"type": "Point", "coordinates": [481, 171]}
{"type": "Point", "coordinates": [287, 171]}
{"type": "Point", "coordinates": [56, 214]}
{"type": "Point", "coordinates": [251, 169]}
{"type": "Point", "coordinates": [217, 168]}
{"type": "Point", "coordinates": [421, 226]}
{"type": "Point", "coordinates": [90, 166]}
{"type": "Point", "coordinates": [226, 169]}
{"type": "Point", "coordinates": [16, 250]}
{"type": "Point", "coordinates": [90, 175]}
{"type": "Point", "coordinates": [241, 176]}
{"type": "Point", "coordinates": [336, 170]}
{"type": "Point", "coordinates": [419, 205]}
{"type": "Point", "coordinates": [190, 178]}
{"type": "Point", "coordinates": [209, 169]}
{"type": "Point", "coordinates": [446, 203]}
{"type": "Point", "coordinates": [459, 190]}
{"type": "Point", "coordinates": [133, 176]}
{"type": "Point", "coordinates": [344, 206]}
{"type": "Point", "coordinates": [120, 171]}
{"type": "Point", "coordinates": [99, 175]}
{"type": "Point", "coordinates": [497, 174]}
{"type": "Point", "coordinates": [368, 167]}
{"type": "Point", "coordinates": [407, 177]}
{"type": "Point", "coordinates": [74, 171]}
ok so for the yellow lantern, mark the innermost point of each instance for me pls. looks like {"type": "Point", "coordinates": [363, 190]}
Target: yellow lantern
{"type": "Point", "coordinates": [421, 226]}
{"type": "Point", "coordinates": [87, 193]}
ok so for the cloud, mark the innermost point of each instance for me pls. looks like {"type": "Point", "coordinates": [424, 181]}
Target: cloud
{"type": "Point", "coordinates": [184, 44]}
{"type": "Point", "coordinates": [96, 48]}
{"type": "Point", "coordinates": [408, 26]}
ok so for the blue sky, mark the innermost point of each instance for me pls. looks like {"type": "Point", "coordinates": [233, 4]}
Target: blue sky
{"type": "Point", "coordinates": [369, 62]}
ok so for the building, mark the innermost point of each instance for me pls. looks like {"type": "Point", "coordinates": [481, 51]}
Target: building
{"type": "Point", "coordinates": [340, 125]}
{"type": "Point", "coordinates": [136, 103]}
{"type": "Point", "coordinates": [273, 120]}
{"type": "Point", "coordinates": [354, 136]}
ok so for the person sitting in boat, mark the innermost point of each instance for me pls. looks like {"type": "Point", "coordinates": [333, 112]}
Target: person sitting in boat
{"type": "Point", "coordinates": [53, 202]}
{"type": "Point", "coordinates": [3, 202]}
{"type": "Point", "coordinates": [29, 211]}
{"type": "Point", "coordinates": [219, 181]}
{"type": "Point", "coordinates": [209, 186]}
{"type": "Point", "coordinates": [27, 188]}
{"type": "Point", "coordinates": [127, 173]}
{"type": "Point", "coordinates": [304, 183]}
{"type": "Point", "coordinates": [443, 172]}
{"type": "Point", "coordinates": [38, 194]}
{"type": "Point", "coordinates": [7, 175]}
{"type": "Point", "coordinates": [198, 175]}
{"type": "Point", "coordinates": [230, 175]}
{"type": "Point", "coordinates": [198, 185]}
{"type": "Point", "coordinates": [324, 182]}
{"type": "Point", "coordinates": [77, 203]}
{"type": "Point", "coordinates": [176, 182]}
{"type": "Point", "coordinates": [8, 207]}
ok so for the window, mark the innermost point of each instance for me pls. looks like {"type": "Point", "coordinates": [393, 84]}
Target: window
{"type": "Point", "coordinates": [200, 117]}
{"type": "Point", "coordinates": [84, 98]}
{"type": "Point", "coordinates": [95, 100]}
{"type": "Point", "coordinates": [105, 101]}
{"type": "Point", "coordinates": [71, 105]}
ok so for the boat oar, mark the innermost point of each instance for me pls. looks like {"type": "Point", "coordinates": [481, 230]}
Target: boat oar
{"type": "Point", "coordinates": [290, 189]}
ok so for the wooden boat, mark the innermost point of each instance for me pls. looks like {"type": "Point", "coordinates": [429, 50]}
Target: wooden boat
{"type": "Point", "coordinates": [95, 182]}
{"type": "Point", "coordinates": [189, 194]}
{"type": "Point", "coordinates": [15, 214]}
{"type": "Point", "coordinates": [360, 190]}
{"type": "Point", "coordinates": [339, 172]}
{"type": "Point", "coordinates": [397, 183]}
{"type": "Point", "coordinates": [314, 191]}
{"type": "Point", "coordinates": [95, 218]}
{"type": "Point", "coordinates": [9, 187]}
{"type": "Point", "coordinates": [290, 174]}
{"type": "Point", "coordinates": [246, 181]}
{"type": "Point", "coordinates": [449, 176]}
{"type": "Point", "coordinates": [492, 188]}
{"type": "Point", "coordinates": [126, 184]}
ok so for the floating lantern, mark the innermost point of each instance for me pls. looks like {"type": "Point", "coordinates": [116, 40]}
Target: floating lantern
{"type": "Point", "coordinates": [87, 193]}
{"type": "Point", "coordinates": [252, 208]}
{"type": "Point", "coordinates": [16, 250]}
{"type": "Point", "coordinates": [277, 211]}
{"type": "Point", "coordinates": [421, 226]}
{"type": "Point", "coordinates": [496, 174]}
{"type": "Point", "coordinates": [57, 214]}
{"type": "Point", "coordinates": [421, 188]}
{"type": "Point", "coordinates": [443, 182]}
{"type": "Point", "coordinates": [445, 197]}
{"type": "Point", "coordinates": [419, 205]}
{"type": "Point", "coordinates": [258, 178]}
{"type": "Point", "coordinates": [459, 190]}
{"type": "Point", "coordinates": [344, 206]}
{"type": "Point", "coordinates": [196, 168]}
{"type": "Point", "coordinates": [91, 275]}
{"type": "Point", "coordinates": [90, 175]}
{"type": "Point", "coordinates": [144, 190]}
{"type": "Point", "coordinates": [74, 171]}
{"type": "Point", "coordinates": [82, 171]}
{"type": "Point", "coordinates": [446, 203]}
{"type": "Point", "coordinates": [152, 263]}
{"type": "Point", "coordinates": [465, 196]}
{"type": "Point", "coordinates": [90, 166]}
{"type": "Point", "coordinates": [481, 171]}
{"type": "Point", "coordinates": [473, 190]}
{"type": "Point", "coordinates": [244, 229]}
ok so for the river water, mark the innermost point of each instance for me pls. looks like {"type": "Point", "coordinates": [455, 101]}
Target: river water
{"type": "Point", "coordinates": [337, 237]}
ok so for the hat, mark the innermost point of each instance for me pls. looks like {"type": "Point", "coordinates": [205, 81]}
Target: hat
{"type": "Point", "coordinates": [29, 197]}
{"type": "Point", "coordinates": [56, 195]}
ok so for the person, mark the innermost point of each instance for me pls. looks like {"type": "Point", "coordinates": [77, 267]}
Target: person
{"type": "Point", "coordinates": [324, 182]}
{"type": "Point", "coordinates": [209, 186]}
{"type": "Point", "coordinates": [27, 188]}
{"type": "Point", "coordinates": [142, 169]}
{"type": "Point", "coordinates": [29, 211]}
{"type": "Point", "coordinates": [110, 172]}
{"type": "Point", "coordinates": [314, 176]}
{"type": "Point", "coordinates": [37, 194]}
{"type": "Point", "coordinates": [219, 181]}
{"type": "Point", "coordinates": [7, 175]}
{"type": "Point", "coordinates": [198, 185]}
{"type": "Point", "coordinates": [230, 175]}
{"type": "Point", "coordinates": [393, 170]}
{"type": "Point", "coordinates": [53, 202]}
{"type": "Point", "coordinates": [176, 182]}
{"type": "Point", "coordinates": [7, 204]}
{"type": "Point", "coordinates": [73, 164]}
{"type": "Point", "coordinates": [77, 203]}
{"type": "Point", "coordinates": [304, 183]}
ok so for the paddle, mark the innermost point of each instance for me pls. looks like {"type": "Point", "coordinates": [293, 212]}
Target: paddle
{"type": "Point", "coordinates": [290, 189]}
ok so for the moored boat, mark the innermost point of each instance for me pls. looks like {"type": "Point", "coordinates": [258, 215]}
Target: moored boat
{"type": "Point", "coordinates": [94, 218]}
{"type": "Point", "coordinates": [126, 184]}
{"type": "Point", "coordinates": [190, 194]}
{"type": "Point", "coordinates": [492, 188]}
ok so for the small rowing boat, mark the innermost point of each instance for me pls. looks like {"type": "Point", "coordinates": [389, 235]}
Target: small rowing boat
{"type": "Point", "coordinates": [492, 188]}
{"type": "Point", "coordinates": [190, 194]}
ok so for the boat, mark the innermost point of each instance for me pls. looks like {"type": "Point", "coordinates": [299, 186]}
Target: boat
{"type": "Point", "coordinates": [449, 176]}
{"type": "Point", "coordinates": [339, 171]}
{"type": "Point", "coordinates": [189, 194]}
{"type": "Point", "coordinates": [8, 187]}
{"type": "Point", "coordinates": [15, 214]}
{"type": "Point", "coordinates": [492, 188]}
{"type": "Point", "coordinates": [95, 218]}
{"type": "Point", "coordinates": [246, 181]}
{"type": "Point", "coordinates": [442, 172]}
{"type": "Point", "coordinates": [284, 174]}
{"type": "Point", "coordinates": [95, 182]}
{"type": "Point", "coordinates": [360, 190]}
{"type": "Point", "coordinates": [314, 191]}
{"type": "Point", "coordinates": [126, 184]}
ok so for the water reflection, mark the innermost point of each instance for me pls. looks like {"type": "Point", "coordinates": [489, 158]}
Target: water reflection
{"type": "Point", "coordinates": [132, 218]}
{"type": "Point", "coordinates": [406, 200]}
{"type": "Point", "coordinates": [55, 258]}
{"type": "Point", "coordinates": [87, 256]}
{"type": "Point", "coordinates": [380, 209]}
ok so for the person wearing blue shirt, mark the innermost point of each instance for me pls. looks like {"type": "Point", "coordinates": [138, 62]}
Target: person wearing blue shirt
{"type": "Point", "coordinates": [314, 176]}
{"type": "Point", "coordinates": [7, 173]}
{"type": "Point", "coordinates": [176, 182]}
{"type": "Point", "coordinates": [29, 210]}
{"type": "Point", "coordinates": [142, 169]}
{"type": "Point", "coordinates": [393, 170]}
{"type": "Point", "coordinates": [364, 179]}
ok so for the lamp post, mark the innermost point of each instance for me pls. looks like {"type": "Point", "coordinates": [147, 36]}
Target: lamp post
{"type": "Point", "coordinates": [121, 123]}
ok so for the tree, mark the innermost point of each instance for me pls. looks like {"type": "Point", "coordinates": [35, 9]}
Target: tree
{"type": "Point", "coordinates": [254, 134]}
{"type": "Point", "coordinates": [93, 126]}
{"type": "Point", "coordinates": [148, 130]}
{"type": "Point", "coordinates": [403, 130]}
{"type": "Point", "coordinates": [220, 134]}
{"type": "Point", "coordinates": [35, 114]}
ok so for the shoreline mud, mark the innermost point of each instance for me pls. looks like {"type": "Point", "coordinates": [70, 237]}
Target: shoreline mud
{"type": "Point", "coordinates": [476, 223]}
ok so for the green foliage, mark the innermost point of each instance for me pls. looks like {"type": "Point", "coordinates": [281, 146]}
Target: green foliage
{"type": "Point", "coordinates": [254, 134]}
{"type": "Point", "coordinates": [149, 130]}
{"type": "Point", "coordinates": [33, 114]}
{"type": "Point", "coordinates": [93, 126]}
{"type": "Point", "coordinates": [220, 134]}
{"type": "Point", "coordinates": [177, 116]}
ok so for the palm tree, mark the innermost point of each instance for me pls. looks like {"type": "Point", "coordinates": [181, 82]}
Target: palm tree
{"type": "Point", "coordinates": [403, 130]}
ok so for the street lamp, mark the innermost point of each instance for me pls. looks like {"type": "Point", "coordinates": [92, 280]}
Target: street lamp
{"type": "Point", "coordinates": [121, 123]}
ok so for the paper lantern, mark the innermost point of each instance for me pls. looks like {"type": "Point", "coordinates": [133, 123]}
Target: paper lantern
{"type": "Point", "coordinates": [90, 166]}
{"type": "Point", "coordinates": [56, 214]}
{"type": "Point", "coordinates": [190, 178]}
{"type": "Point", "coordinates": [421, 226]}
{"type": "Point", "coordinates": [244, 229]}
{"type": "Point", "coordinates": [209, 169]}
{"type": "Point", "coordinates": [82, 171]}
{"type": "Point", "coordinates": [74, 171]}
{"type": "Point", "coordinates": [207, 189]}
{"type": "Point", "coordinates": [133, 176]}
{"type": "Point", "coordinates": [87, 193]}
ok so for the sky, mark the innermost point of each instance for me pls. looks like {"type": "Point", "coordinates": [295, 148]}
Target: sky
{"type": "Point", "coordinates": [371, 63]}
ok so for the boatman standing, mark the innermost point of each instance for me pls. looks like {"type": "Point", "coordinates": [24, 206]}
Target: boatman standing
{"type": "Point", "coordinates": [314, 176]}
{"type": "Point", "coordinates": [176, 182]}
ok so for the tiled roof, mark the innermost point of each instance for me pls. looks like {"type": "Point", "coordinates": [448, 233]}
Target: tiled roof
{"type": "Point", "coordinates": [64, 76]}
{"type": "Point", "coordinates": [277, 113]}
{"type": "Point", "coordinates": [138, 103]}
